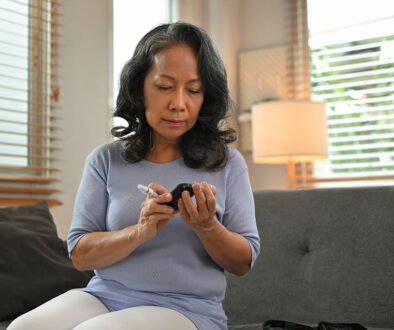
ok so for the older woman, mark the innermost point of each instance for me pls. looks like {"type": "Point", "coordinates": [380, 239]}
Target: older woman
{"type": "Point", "coordinates": [157, 267]}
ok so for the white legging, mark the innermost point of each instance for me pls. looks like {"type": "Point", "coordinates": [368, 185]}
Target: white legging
{"type": "Point", "coordinates": [80, 310]}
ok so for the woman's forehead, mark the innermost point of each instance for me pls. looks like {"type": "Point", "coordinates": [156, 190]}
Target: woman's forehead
{"type": "Point", "coordinates": [174, 60]}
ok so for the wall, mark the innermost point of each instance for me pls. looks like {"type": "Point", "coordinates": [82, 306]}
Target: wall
{"type": "Point", "coordinates": [85, 90]}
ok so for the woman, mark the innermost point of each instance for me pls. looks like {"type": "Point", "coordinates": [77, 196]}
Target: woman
{"type": "Point", "coordinates": [157, 268]}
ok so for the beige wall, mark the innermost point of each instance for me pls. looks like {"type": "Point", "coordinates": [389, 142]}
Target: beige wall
{"type": "Point", "coordinates": [85, 91]}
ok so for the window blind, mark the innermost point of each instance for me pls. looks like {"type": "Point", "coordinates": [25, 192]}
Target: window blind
{"type": "Point", "coordinates": [352, 70]}
{"type": "Point", "coordinates": [29, 92]}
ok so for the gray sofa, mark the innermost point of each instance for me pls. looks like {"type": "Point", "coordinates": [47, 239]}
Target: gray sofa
{"type": "Point", "coordinates": [326, 255]}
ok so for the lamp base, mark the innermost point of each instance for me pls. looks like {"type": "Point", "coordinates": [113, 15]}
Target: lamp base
{"type": "Point", "coordinates": [291, 174]}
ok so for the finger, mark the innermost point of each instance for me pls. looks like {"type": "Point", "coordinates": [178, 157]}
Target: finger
{"type": "Point", "coordinates": [201, 199]}
{"type": "Point", "coordinates": [163, 198]}
{"type": "Point", "coordinates": [200, 196]}
{"type": "Point", "coordinates": [213, 188]}
{"type": "Point", "coordinates": [190, 208]}
{"type": "Point", "coordinates": [161, 208]}
{"type": "Point", "coordinates": [153, 205]}
{"type": "Point", "coordinates": [182, 211]}
{"type": "Point", "coordinates": [163, 195]}
{"type": "Point", "coordinates": [158, 188]}
{"type": "Point", "coordinates": [157, 217]}
{"type": "Point", "coordinates": [210, 197]}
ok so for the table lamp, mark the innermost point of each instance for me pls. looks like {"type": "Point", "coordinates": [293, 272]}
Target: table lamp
{"type": "Point", "coordinates": [287, 132]}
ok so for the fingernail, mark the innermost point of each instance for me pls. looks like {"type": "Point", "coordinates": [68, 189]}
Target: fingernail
{"type": "Point", "coordinates": [167, 195]}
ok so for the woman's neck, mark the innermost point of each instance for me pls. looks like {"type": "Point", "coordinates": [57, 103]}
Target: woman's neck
{"type": "Point", "coordinates": [163, 154]}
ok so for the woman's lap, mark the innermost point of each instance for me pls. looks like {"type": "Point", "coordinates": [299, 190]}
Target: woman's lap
{"type": "Point", "coordinates": [62, 312]}
{"type": "Point", "coordinates": [80, 310]}
{"type": "Point", "coordinates": [142, 317]}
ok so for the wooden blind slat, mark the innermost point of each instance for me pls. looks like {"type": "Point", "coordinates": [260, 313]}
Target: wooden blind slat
{"type": "Point", "coordinates": [29, 168]}
{"type": "Point", "coordinates": [345, 76]}
{"type": "Point", "coordinates": [18, 202]}
{"type": "Point", "coordinates": [30, 124]}
{"type": "Point", "coordinates": [333, 95]}
{"type": "Point", "coordinates": [348, 49]}
{"type": "Point", "coordinates": [314, 179]}
{"type": "Point", "coordinates": [34, 114]}
{"type": "Point", "coordinates": [15, 12]}
{"type": "Point", "coordinates": [31, 70]}
{"type": "Point", "coordinates": [20, 79]}
{"type": "Point", "coordinates": [17, 190]}
{"type": "Point", "coordinates": [39, 136]}
{"type": "Point", "coordinates": [54, 3]}
{"type": "Point", "coordinates": [329, 87]}
{"type": "Point", "coordinates": [30, 146]}
{"type": "Point", "coordinates": [49, 32]}
{"type": "Point", "coordinates": [29, 157]}
{"type": "Point", "coordinates": [32, 179]}
{"type": "Point", "coordinates": [360, 138]}
{"type": "Point", "coordinates": [53, 42]}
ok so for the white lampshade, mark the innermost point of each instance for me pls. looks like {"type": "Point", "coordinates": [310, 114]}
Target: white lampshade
{"type": "Point", "coordinates": [289, 131]}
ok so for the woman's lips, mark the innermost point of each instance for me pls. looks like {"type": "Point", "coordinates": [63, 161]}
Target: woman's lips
{"type": "Point", "coordinates": [175, 123]}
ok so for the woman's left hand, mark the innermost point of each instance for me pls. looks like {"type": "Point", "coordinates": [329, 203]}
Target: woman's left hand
{"type": "Point", "coordinates": [229, 250]}
{"type": "Point", "coordinates": [203, 215]}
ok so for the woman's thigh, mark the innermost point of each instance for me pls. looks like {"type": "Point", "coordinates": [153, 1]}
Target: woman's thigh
{"type": "Point", "coordinates": [61, 313]}
{"type": "Point", "coordinates": [142, 317]}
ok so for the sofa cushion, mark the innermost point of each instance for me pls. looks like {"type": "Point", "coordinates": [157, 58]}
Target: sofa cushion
{"type": "Point", "coordinates": [326, 255]}
{"type": "Point", "coordinates": [34, 263]}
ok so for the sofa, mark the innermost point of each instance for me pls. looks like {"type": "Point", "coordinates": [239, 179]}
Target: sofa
{"type": "Point", "coordinates": [326, 255]}
{"type": "Point", "coordinates": [34, 262]}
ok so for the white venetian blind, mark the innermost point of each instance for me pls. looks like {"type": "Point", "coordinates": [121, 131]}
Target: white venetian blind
{"type": "Point", "coordinates": [28, 96]}
{"type": "Point", "coordinates": [352, 70]}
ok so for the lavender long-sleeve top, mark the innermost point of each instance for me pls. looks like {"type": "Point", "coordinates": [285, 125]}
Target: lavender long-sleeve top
{"type": "Point", "coordinates": [173, 269]}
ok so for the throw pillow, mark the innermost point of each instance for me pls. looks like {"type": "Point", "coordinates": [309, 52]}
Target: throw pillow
{"type": "Point", "coordinates": [34, 263]}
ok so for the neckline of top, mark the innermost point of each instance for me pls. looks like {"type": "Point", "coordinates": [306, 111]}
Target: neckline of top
{"type": "Point", "coordinates": [144, 161]}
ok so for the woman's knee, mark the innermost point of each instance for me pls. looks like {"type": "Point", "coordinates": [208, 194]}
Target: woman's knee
{"type": "Point", "coordinates": [142, 317]}
{"type": "Point", "coordinates": [26, 321]}
{"type": "Point", "coordinates": [62, 312]}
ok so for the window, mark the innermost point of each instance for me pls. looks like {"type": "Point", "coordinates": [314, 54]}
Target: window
{"type": "Point", "coordinates": [28, 96]}
{"type": "Point", "coordinates": [352, 70]}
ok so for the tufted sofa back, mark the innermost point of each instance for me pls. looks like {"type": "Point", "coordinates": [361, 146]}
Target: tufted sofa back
{"type": "Point", "coordinates": [326, 255]}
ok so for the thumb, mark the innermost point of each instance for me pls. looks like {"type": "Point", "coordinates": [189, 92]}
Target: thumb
{"type": "Point", "coordinates": [163, 195]}
{"type": "Point", "coordinates": [158, 188]}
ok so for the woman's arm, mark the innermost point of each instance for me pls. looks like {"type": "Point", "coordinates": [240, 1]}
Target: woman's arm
{"type": "Point", "coordinates": [101, 249]}
{"type": "Point", "coordinates": [229, 250]}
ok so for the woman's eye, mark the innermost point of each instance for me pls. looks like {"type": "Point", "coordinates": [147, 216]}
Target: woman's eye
{"type": "Point", "coordinates": [193, 91]}
{"type": "Point", "coordinates": [163, 88]}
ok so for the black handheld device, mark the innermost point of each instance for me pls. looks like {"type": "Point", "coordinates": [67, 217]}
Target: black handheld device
{"type": "Point", "coordinates": [177, 193]}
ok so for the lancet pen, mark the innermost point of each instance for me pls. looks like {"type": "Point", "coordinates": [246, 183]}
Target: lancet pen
{"type": "Point", "coordinates": [146, 190]}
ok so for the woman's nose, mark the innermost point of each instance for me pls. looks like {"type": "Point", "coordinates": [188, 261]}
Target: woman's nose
{"type": "Point", "coordinates": [178, 100]}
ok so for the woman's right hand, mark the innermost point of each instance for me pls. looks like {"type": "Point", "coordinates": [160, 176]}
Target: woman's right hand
{"type": "Point", "coordinates": [154, 215]}
{"type": "Point", "coordinates": [97, 250]}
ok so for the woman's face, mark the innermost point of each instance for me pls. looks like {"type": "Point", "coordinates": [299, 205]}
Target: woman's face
{"type": "Point", "coordinates": [173, 93]}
